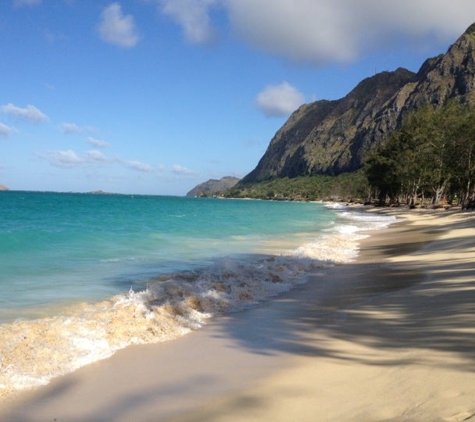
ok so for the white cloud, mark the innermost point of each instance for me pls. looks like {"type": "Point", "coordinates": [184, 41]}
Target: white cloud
{"type": "Point", "coordinates": [96, 155]}
{"type": "Point", "coordinates": [64, 159]}
{"type": "Point", "coordinates": [6, 131]}
{"type": "Point", "coordinates": [193, 16]}
{"type": "Point", "coordinates": [92, 158]}
{"type": "Point", "coordinates": [319, 31]}
{"type": "Point", "coordinates": [180, 170]}
{"type": "Point", "coordinates": [301, 30]}
{"type": "Point", "coordinates": [19, 3]}
{"type": "Point", "coordinates": [117, 28]}
{"type": "Point", "coordinates": [70, 128]}
{"type": "Point", "coordinates": [279, 100]}
{"type": "Point", "coordinates": [29, 113]}
{"type": "Point", "coordinates": [98, 143]}
{"type": "Point", "coordinates": [136, 165]}
{"type": "Point", "coordinates": [322, 31]}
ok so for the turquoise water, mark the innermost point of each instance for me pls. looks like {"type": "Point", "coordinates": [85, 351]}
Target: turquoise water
{"type": "Point", "coordinates": [84, 275]}
{"type": "Point", "coordinates": [56, 246]}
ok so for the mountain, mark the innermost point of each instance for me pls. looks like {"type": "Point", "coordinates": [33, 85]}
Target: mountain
{"type": "Point", "coordinates": [213, 187]}
{"type": "Point", "coordinates": [3, 187]}
{"type": "Point", "coordinates": [333, 137]}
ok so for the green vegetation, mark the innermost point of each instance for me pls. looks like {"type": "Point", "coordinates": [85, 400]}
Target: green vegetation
{"type": "Point", "coordinates": [345, 187]}
{"type": "Point", "coordinates": [431, 158]}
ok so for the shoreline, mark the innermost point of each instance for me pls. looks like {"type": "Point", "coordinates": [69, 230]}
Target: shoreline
{"type": "Point", "coordinates": [297, 356]}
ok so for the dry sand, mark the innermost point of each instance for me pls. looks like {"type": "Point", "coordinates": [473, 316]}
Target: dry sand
{"type": "Point", "coordinates": [390, 337]}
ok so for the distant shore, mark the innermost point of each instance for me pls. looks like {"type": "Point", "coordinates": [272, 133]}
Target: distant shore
{"type": "Point", "coordinates": [390, 336]}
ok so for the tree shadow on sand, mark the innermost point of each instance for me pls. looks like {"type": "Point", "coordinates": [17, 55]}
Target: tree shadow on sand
{"type": "Point", "coordinates": [416, 305]}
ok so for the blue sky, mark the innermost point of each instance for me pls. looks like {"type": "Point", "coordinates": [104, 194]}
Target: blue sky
{"type": "Point", "coordinates": [156, 96]}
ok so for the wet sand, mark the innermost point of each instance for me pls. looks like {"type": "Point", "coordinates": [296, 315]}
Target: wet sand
{"type": "Point", "coordinates": [388, 337]}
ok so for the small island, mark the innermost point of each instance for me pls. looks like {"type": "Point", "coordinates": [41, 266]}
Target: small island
{"type": "Point", "coordinates": [100, 192]}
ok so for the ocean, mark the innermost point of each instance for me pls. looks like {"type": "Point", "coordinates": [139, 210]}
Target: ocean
{"type": "Point", "coordinates": [84, 275]}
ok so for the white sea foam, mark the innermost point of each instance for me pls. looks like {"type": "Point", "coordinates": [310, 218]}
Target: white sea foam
{"type": "Point", "coordinates": [347, 229]}
{"type": "Point", "coordinates": [334, 205]}
{"type": "Point", "coordinates": [369, 221]}
{"type": "Point", "coordinates": [169, 306]}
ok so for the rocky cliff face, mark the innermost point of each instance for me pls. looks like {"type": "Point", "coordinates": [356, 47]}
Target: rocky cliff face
{"type": "Point", "coordinates": [333, 137]}
{"type": "Point", "coordinates": [213, 187]}
{"type": "Point", "coordinates": [3, 187]}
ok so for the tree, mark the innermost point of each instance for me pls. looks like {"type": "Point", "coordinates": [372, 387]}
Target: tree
{"type": "Point", "coordinates": [432, 154]}
{"type": "Point", "coordinates": [381, 170]}
{"type": "Point", "coordinates": [460, 157]}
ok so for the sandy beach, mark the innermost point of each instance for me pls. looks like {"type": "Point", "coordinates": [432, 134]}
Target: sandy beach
{"type": "Point", "coordinates": [389, 337]}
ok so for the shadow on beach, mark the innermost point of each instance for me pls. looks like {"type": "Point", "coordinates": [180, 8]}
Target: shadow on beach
{"type": "Point", "coordinates": [421, 305]}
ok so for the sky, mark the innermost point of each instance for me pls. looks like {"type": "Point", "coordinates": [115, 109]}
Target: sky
{"type": "Point", "coordinates": [156, 96]}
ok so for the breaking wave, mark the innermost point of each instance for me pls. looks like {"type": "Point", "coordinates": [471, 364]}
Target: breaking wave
{"type": "Point", "coordinates": [168, 306]}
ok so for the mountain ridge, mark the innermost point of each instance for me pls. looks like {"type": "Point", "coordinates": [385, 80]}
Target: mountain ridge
{"type": "Point", "coordinates": [333, 137]}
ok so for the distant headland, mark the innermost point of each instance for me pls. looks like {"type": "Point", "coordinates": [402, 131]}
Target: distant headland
{"type": "Point", "coordinates": [213, 187]}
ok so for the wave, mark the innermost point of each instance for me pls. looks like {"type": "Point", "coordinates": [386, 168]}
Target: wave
{"type": "Point", "coordinates": [167, 307]}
